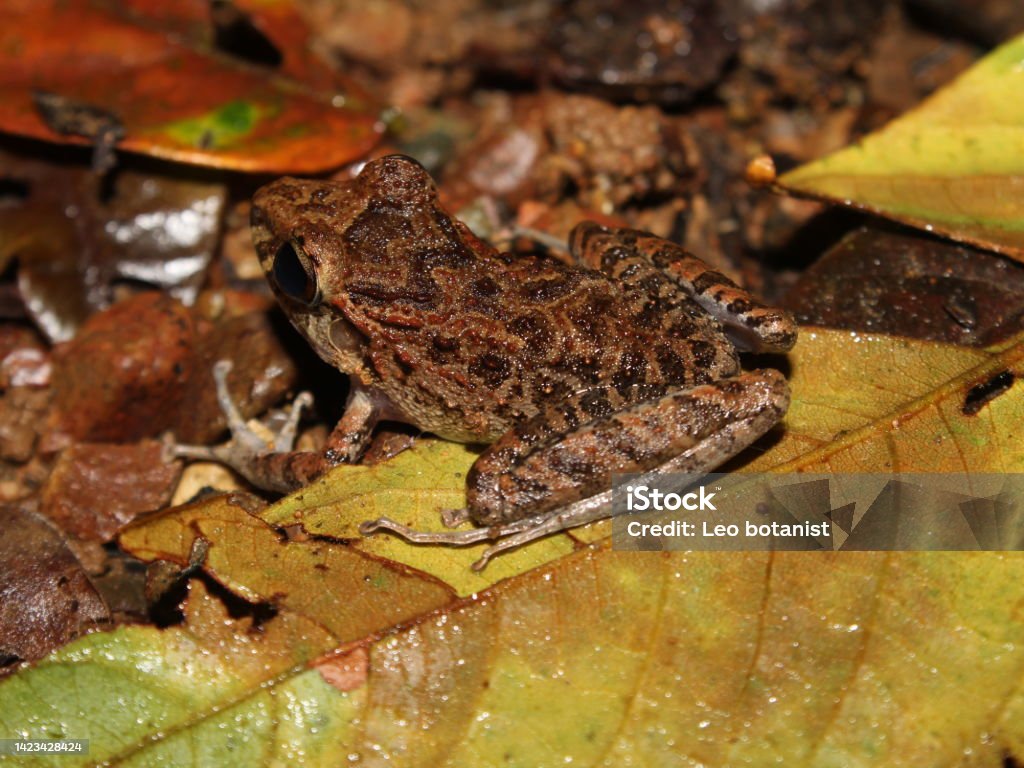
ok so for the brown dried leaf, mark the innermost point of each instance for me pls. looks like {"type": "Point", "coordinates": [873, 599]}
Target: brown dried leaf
{"type": "Point", "coordinates": [96, 489]}
{"type": "Point", "coordinates": [177, 99]}
{"type": "Point", "coordinates": [921, 287]}
{"type": "Point", "coordinates": [46, 599]}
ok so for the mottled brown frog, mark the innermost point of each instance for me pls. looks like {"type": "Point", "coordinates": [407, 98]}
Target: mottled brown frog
{"type": "Point", "coordinates": [626, 362]}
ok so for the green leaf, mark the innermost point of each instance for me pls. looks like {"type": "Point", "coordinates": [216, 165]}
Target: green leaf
{"type": "Point", "coordinates": [953, 165]}
{"type": "Point", "coordinates": [603, 658]}
{"type": "Point", "coordinates": [412, 488]}
{"type": "Point", "coordinates": [139, 693]}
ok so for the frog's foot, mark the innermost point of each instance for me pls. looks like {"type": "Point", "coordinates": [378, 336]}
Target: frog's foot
{"type": "Point", "coordinates": [453, 518]}
{"type": "Point", "coordinates": [506, 535]}
{"type": "Point", "coordinates": [246, 443]}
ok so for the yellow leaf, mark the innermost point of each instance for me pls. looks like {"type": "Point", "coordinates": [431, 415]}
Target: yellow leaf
{"type": "Point", "coordinates": [953, 165]}
{"type": "Point", "coordinates": [597, 657]}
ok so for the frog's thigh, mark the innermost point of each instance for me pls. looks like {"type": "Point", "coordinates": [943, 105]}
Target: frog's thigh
{"type": "Point", "coordinates": [534, 469]}
{"type": "Point", "coordinates": [751, 324]}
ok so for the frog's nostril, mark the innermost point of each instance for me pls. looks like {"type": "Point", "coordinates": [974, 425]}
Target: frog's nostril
{"type": "Point", "coordinates": [292, 276]}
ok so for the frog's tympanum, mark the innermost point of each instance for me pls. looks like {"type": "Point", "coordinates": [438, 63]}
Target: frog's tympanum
{"type": "Point", "coordinates": [626, 362]}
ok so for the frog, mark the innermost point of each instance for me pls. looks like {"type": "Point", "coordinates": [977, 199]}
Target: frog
{"type": "Point", "coordinates": [623, 358]}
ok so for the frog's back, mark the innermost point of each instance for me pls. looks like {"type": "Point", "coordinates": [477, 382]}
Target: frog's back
{"type": "Point", "coordinates": [467, 346]}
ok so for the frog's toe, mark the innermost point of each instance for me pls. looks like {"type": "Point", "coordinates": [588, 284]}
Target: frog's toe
{"type": "Point", "coordinates": [453, 518]}
{"type": "Point", "coordinates": [244, 438]}
{"type": "Point", "coordinates": [452, 538]}
{"type": "Point", "coordinates": [284, 441]}
{"type": "Point", "coordinates": [199, 452]}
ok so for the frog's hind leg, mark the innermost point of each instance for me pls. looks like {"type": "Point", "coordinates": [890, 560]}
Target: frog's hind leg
{"type": "Point", "coordinates": [554, 471]}
{"type": "Point", "coordinates": [752, 325]}
{"type": "Point", "coordinates": [507, 535]}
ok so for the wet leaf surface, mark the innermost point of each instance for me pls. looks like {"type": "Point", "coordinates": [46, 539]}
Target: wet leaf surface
{"type": "Point", "coordinates": [46, 598]}
{"type": "Point", "coordinates": [179, 100]}
{"type": "Point", "coordinates": [144, 366]}
{"type": "Point", "coordinates": [97, 488]}
{"type": "Point", "coordinates": [76, 238]}
{"type": "Point", "coordinates": [913, 286]}
{"type": "Point", "coordinates": [936, 170]}
{"type": "Point", "coordinates": [728, 659]}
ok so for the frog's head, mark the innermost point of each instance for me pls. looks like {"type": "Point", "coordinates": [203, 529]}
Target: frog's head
{"type": "Point", "coordinates": [319, 242]}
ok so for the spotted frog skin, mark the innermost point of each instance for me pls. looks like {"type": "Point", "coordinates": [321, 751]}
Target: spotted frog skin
{"type": "Point", "coordinates": [626, 362]}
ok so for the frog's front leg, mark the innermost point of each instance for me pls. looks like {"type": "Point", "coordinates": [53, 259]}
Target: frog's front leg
{"type": "Point", "coordinates": [274, 465]}
{"type": "Point", "coordinates": [553, 472]}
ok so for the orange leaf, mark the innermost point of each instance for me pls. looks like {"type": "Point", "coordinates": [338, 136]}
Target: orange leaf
{"type": "Point", "coordinates": [172, 99]}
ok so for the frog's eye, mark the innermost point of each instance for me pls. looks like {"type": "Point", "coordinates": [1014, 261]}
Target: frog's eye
{"type": "Point", "coordinates": [293, 277]}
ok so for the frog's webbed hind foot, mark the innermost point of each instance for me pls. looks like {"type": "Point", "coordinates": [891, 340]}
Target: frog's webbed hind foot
{"type": "Point", "coordinates": [507, 536]}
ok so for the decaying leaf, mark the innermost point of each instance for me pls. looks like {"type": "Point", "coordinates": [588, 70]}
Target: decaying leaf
{"type": "Point", "coordinates": [46, 598]}
{"type": "Point", "coordinates": [922, 287]}
{"type": "Point", "coordinates": [953, 165]}
{"type": "Point", "coordinates": [350, 594]}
